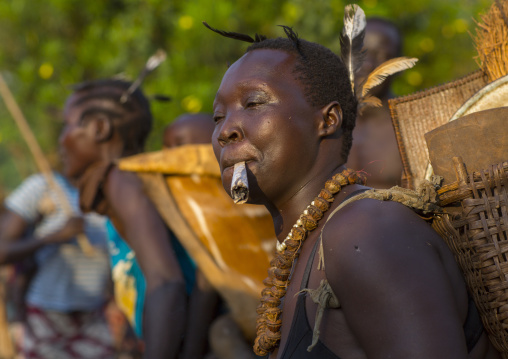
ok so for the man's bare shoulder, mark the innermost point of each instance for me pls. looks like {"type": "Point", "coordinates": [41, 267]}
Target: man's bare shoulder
{"type": "Point", "coordinates": [371, 218]}
{"type": "Point", "coordinates": [388, 266]}
{"type": "Point", "coordinates": [121, 185]}
{"type": "Point", "coordinates": [119, 178]}
{"type": "Point", "coordinates": [370, 236]}
{"type": "Point", "coordinates": [124, 192]}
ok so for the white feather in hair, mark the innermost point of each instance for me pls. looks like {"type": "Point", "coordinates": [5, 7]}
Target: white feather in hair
{"type": "Point", "coordinates": [151, 64]}
{"type": "Point", "coordinates": [351, 40]}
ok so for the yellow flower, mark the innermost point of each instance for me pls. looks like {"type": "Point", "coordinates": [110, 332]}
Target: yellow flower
{"type": "Point", "coordinates": [46, 70]}
{"type": "Point", "coordinates": [192, 104]}
{"type": "Point", "coordinates": [427, 44]}
{"type": "Point", "coordinates": [414, 78]}
{"type": "Point", "coordinates": [460, 25]}
{"type": "Point", "coordinates": [186, 22]}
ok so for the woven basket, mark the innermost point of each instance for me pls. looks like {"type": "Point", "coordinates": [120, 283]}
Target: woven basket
{"type": "Point", "coordinates": [476, 230]}
{"type": "Point", "coordinates": [416, 114]}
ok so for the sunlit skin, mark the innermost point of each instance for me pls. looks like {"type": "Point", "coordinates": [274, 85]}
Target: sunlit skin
{"type": "Point", "coordinates": [136, 219]}
{"type": "Point", "coordinates": [240, 135]}
{"type": "Point", "coordinates": [375, 147]}
{"type": "Point", "coordinates": [401, 293]}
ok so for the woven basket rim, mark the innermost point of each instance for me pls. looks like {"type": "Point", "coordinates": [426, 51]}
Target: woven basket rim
{"type": "Point", "coordinates": [475, 75]}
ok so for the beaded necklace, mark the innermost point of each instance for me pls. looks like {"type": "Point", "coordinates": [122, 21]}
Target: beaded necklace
{"type": "Point", "coordinates": [269, 319]}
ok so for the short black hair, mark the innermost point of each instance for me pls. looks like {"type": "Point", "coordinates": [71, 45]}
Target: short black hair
{"type": "Point", "coordinates": [131, 118]}
{"type": "Point", "coordinates": [323, 76]}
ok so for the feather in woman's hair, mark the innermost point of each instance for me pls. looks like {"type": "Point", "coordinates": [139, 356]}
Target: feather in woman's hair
{"type": "Point", "coordinates": [153, 62]}
{"type": "Point", "coordinates": [386, 69]}
{"type": "Point", "coordinates": [351, 40]}
{"type": "Point", "coordinates": [236, 35]}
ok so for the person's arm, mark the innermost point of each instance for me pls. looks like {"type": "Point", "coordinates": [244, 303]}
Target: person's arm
{"type": "Point", "coordinates": [202, 310]}
{"type": "Point", "coordinates": [399, 298]}
{"type": "Point", "coordinates": [15, 245]}
{"type": "Point", "coordinates": [138, 221]}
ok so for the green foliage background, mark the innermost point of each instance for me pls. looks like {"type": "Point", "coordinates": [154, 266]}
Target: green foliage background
{"type": "Point", "coordinates": [47, 45]}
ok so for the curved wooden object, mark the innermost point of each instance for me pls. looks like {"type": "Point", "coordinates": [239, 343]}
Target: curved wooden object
{"type": "Point", "coordinates": [418, 113]}
{"type": "Point", "coordinates": [480, 138]}
{"type": "Point", "coordinates": [231, 244]}
{"type": "Point", "coordinates": [492, 96]}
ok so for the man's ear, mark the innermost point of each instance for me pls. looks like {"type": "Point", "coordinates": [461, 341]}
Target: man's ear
{"type": "Point", "coordinates": [103, 127]}
{"type": "Point", "coordinates": [331, 119]}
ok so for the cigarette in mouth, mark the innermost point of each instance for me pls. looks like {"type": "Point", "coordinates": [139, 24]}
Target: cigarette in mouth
{"type": "Point", "coordinates": [239, 184]}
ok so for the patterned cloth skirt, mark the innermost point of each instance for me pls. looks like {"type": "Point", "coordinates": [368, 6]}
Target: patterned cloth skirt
{"type": "Point", "coordinates": [58, 335]}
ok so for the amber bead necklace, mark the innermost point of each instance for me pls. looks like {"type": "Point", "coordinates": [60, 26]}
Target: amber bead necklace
{"type": "Point", "coordinates": [269, 319]}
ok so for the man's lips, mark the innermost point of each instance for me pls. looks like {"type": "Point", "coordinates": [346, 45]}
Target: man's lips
{"type": "Point", "coordinates": [230, 161]}
{"type": "Point", "coordinates": [238, 152]}
{"type": "Point", "coordinates": [229, 165]}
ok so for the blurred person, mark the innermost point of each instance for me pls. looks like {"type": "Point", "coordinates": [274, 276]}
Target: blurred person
{"type": "Point", "coordinates": [375, 149]}
{"type": "Point", "coordinates": [189, 128]}
{"type": "Point", "coordinates": [105, 121]}
{"type": "Point", "coordinates": [64, 289]}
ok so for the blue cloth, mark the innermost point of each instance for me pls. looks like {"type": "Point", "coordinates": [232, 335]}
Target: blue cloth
{"type": "Point", "coordinates": [129, 281]}
{"type": "Point", "coordinates": [66, 278]}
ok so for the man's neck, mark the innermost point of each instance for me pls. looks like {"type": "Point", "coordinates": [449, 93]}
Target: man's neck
{"type": "Point", "coordinates": [111, 151]}
{"type": "Point", "coordinates": [285, 214]}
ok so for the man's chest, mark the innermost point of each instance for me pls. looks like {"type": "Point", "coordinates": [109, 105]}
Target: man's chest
{"type": "Point", "coordinates": [300, 313]}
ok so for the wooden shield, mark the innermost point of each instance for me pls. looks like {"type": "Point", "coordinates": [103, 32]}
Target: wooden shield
{"type": "Point", "coordinates": [231, 244]}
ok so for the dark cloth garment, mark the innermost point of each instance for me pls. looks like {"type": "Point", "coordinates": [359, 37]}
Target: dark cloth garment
{"type": "Point", "coordinates": [301, 333]}
{"type": "Point", "coordinates": [300, 337]}
{"type": "Point", "coordinates": [473, 327]}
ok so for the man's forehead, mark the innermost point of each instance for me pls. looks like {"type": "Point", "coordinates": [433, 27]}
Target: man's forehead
{"type": "Point", "coordinates": [264, 60]}
{"type": "Point", "coordinates": [259, 67]}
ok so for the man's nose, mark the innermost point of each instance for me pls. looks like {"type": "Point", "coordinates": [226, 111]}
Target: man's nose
{"type": "Point", "coordinates": [230, 130]}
